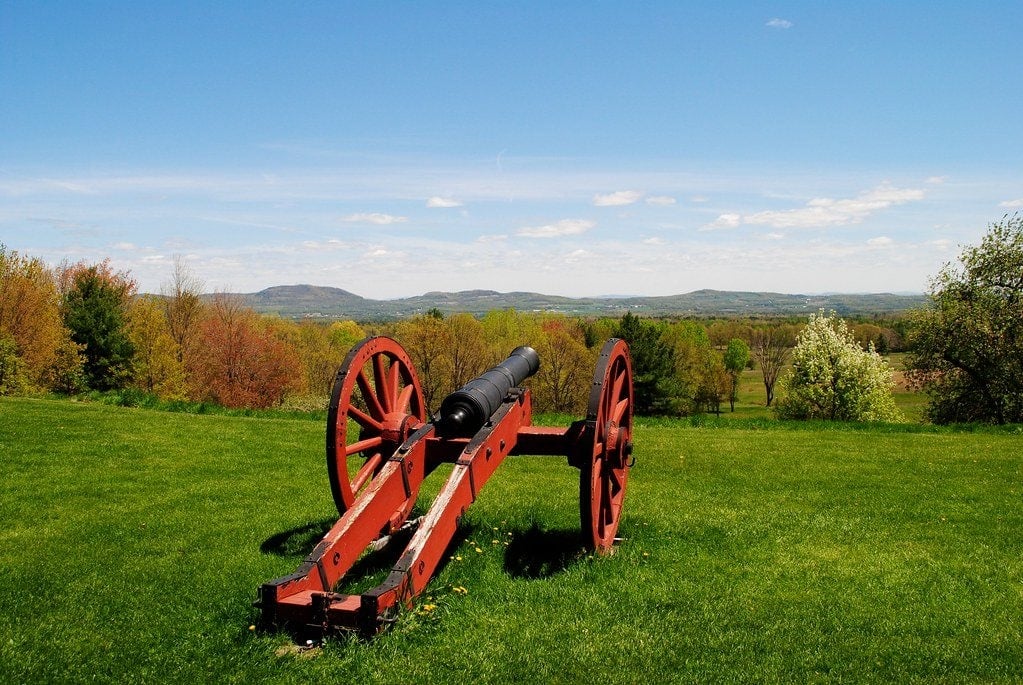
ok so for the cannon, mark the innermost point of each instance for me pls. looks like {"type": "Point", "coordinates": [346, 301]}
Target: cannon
{"type": "Point", "coordinates": [381, 445]}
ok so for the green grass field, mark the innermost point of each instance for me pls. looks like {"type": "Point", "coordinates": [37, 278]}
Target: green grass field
{"type": "Point", "coordinates": [132, 543]}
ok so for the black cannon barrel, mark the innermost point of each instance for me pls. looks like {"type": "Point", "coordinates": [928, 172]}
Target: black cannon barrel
{"type": "Point", "coordinates": [464, 411]}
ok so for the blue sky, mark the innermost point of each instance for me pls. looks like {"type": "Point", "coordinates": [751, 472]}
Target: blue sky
{"type": "Point", "coordinates": [568, 148]}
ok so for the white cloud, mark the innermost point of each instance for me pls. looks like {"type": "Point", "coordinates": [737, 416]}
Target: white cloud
{"type": "Point", "coordinates": [492, 238]}
{"type": "Point", "coordinates": [374, 218]}
{"type": "Point", "coordinates": [729, 220]}
{"type": "Point", "coordinates": [935, 180]}
{"type": "Point", "coordinates": [880, 241]}
{"type": "Point", "coordinates": [1012, 204]}
{"type": "Point", "coordinates": [442, 202]}
{"type": "Point", "coordinates": [123, 246]}
{"type": "Point", "coordinates": [778, 23]}
{"type": "Point", "coordinates": [821, 212]}
{"type": "Point", "coordinates": [775, 236]}
{"type": "Point", "coordinates": [661, 200]}
{"type": "Point", "coordinates": [653, 241]}
{"type": "Point", "coordinates": [617, 199]}
{"type": "Point", "coordinates": [555, 230]}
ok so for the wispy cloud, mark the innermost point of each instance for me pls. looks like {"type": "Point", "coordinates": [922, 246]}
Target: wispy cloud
{"type": "Point", "coordinates": [556, 230]}
{"type": "Point", "coordinates": [824, 211]}
{"type": "Point", "coordinates": [374, 218]}
{"type": "Point", "coordinates": [442, 202]}
{"type": "Point", "coordinates": [617, 199]}
{"type": "Point", "coordinates": [880, 241]}
{"type": "Point", "coordinates": [779, 23]}
{"type": "Point", "coordinates": [660, 200]}
{"type": "Point", "coordinates": [1012, 204]}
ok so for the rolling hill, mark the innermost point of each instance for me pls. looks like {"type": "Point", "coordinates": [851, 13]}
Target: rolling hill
{"type": "Point", "coordinates": [309, 301]}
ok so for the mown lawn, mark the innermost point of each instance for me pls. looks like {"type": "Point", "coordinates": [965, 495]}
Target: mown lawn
{"type": "Point", "coordinates": [132, 543]}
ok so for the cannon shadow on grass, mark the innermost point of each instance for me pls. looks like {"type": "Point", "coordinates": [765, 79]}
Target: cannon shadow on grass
{"type": "Point", "coordinates": [372, 567]}
{"type": "Point", "coordinates": [537, 553]}
{"type": "Point", "coordinates": [298, 541]}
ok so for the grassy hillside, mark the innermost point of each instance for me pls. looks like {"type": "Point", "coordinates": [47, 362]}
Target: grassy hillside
{"type": "Point", "coordinates": [132, 543]}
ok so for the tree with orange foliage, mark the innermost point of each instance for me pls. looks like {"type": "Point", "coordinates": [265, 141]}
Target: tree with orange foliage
{"type": "Point", "coordinates": [241, 363]}
{"type": "Point", "coordinates": [566, 366]}
{"type": "Point", "coordinates": [30, 320]}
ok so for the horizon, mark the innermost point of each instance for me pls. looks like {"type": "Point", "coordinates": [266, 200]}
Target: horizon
{"type": "Point", "coordinates": [401, 149]}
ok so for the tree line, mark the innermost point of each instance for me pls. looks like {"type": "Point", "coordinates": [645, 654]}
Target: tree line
{"type": "Point", "coordinates": [80, 326]}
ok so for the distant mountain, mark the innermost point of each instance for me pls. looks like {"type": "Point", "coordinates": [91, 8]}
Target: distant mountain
{"type": "Point", "coordinates": [310, 301]}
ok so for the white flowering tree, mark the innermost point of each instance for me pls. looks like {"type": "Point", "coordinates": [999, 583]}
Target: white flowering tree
{"type": "Point", "coordinates": [832, 377]}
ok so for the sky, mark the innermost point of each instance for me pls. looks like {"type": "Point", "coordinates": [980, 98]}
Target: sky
{"type": "Point", "coordinates": [569, 148]}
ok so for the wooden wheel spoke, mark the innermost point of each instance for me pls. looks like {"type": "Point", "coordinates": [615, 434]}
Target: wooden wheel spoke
{"type": "Point", "coordinates": [367, 471]}
{"type": "Point", "coordinates": [619, 382]}
{"type": "Point", "coordinates": [363, 445]}
{"type": "Point", "coordinates": [380, 376]}
{"type": "Point", "coordinates": [364, 419]}
{"type": "Point", "coordinates": [370, 395]}
{"type": "Point", "coordinates": [405, 399]}
{"type": "Point", "coordinates": [619, 411]}
{"type": "Point", "coordinates": [392, 387]}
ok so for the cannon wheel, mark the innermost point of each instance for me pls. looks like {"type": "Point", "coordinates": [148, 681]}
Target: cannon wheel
{"type": "Point", "coordinates": [377, 391]}
{"type": "Point", "coordinates": [609, 427]}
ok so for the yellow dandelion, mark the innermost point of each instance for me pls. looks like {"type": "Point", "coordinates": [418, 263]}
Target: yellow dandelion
{"type": "Point", "coordinates": [479, 550]}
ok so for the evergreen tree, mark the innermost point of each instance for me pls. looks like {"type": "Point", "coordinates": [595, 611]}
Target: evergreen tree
{"type": "Point", "coordinates": [656, 386]}
{"type": "Point", "coordinates": [95, 310]}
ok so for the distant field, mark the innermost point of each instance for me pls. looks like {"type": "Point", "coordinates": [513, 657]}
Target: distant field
{"type": "Point", "coordinates": [132, 543]}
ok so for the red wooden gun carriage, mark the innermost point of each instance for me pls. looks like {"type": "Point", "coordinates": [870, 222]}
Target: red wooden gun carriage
{"type": "Point", "coordinates": [378, 417]}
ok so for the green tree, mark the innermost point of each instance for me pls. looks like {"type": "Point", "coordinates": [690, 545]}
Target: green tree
{"type": "Point", "coordinates": [654, 380]}
{"type": "Point", "coordinates": [12, 377]}
{"type": "Point", "coordinates": [966, 349]}
{"type": "Point", "coordinates": [736, 358]}
{"type": "Point", "coordinates": [95, 309]}
{"type": "Point", "coordinates": [832, 377]}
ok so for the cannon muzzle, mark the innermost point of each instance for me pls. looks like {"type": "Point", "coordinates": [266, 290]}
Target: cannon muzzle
{"type": "Point", "coordinates": [464, 411]}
